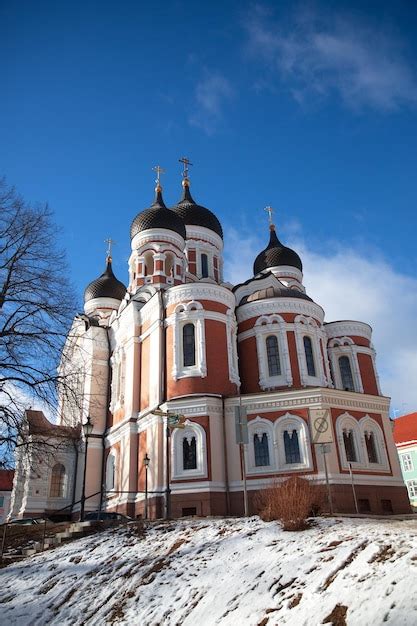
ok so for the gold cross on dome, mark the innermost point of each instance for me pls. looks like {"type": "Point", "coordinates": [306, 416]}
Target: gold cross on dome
{"type": "Point", "coordinates": [186, 162]}
{"type": "Point", "coordinates": [109, 243]}
{"type": "Point", "coordinates": [159, 170]}
{"type": "Point", "coordinates": [269, 210]}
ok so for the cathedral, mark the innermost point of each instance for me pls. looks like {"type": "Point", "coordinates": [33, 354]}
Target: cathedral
{"type": "Point", "coordinates": [197, 391]}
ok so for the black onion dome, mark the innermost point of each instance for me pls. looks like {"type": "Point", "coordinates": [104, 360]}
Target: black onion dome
{"type": "Point", "coordinates": [157, 216]}
{"type": "Point", "coordinates": [276, 254]}
{"type": "Point", "coordinates": [196, 215]}
{"type": "Point", "coordinates": [106, 286]}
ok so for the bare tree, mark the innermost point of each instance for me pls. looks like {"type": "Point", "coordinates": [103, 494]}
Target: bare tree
{"type": "Point", "coordinates": [36, 308]}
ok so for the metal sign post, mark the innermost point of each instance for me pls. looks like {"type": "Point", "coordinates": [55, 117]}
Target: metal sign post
{"type": "Point", "coordinates": [353, 488]}
{"type": "Point", "coordinates": [323, 436]}
{"type": "Point", "coordinates": [242, 438]}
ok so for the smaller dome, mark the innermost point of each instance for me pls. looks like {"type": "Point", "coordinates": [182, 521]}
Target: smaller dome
{"type": "Point", "coordinates": [105, 286]}
{"type": "Point", "coordinates": [194, 214]}
{"type": "Point", "coordinates": [276, 254]}
{"type": "Point", "coordinates": [157, 216]}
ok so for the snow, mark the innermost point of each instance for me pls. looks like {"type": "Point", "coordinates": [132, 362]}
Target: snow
{"type": "Point", "coordinates": [222, 571]}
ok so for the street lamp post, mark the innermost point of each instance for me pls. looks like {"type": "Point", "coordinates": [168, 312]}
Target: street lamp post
{"type": "Point", "coordinates": [87, 430]}
{"type": "Point", "coordinates": [146, 462]}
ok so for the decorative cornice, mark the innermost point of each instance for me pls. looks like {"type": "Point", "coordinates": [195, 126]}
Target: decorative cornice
{"type": "Point", "coordinates": [199, 291]}
{"type": "Point", "coordinates": [317, 397]}
{"type": "Point", "coordinates": [348, 327]}
{"type": "Point", "coordinates": [204, 234]}
{"type": "Point", "coordinates": [156, 235]}
{"type": "Point", "coordinates": [279, 305]}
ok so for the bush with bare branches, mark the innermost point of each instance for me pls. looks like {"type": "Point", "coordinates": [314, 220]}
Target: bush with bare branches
{"type": "Point", "coordinates": [291, 502]}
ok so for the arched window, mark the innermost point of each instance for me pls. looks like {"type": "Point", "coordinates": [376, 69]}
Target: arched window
{"type": "Point", "coordinates": [204, 266]}
{"type": "Point", "coordinates": [346, 373]}
{"type": "Point", "coordinates": [308, 350]}
{"type": "Point", "coordinates": [169, 265]}
{"type": "Point", "coordinates": [110, 471]}
{"type": "Point", "coordinates": [371, 447]}
{"type": "Point", "coordinates": [272, 352]}
{"type": "Point", "coordinates": [188, 344]}
{"type": "Point", "coordinates": [57, 481]}
{"type": "Point", "coordinates": [189, 453]}
{"type": "Point", "coordinates": [350, 448]}
{"type": "Point", "coordinates": [260, 444]}
{"type": "Point", "coordinates": [292, 447]}
{"type": "Point", "coordinates": [148, 258]}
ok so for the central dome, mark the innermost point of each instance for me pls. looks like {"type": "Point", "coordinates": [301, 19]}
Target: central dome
{"type": "Point", "coordinates": [194, 214]}
{"type": "Point", "coordinates": [276, 254]}
{"type": "Point", "coordinates": [157, 216]}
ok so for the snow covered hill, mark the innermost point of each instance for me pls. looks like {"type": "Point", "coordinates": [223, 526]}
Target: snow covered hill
{"type": "Point", "coordinates": [222, 571]}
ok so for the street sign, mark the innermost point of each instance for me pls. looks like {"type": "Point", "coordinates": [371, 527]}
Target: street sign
{"type": "Point", "coordinates": [321, 426]}
{"type": "Point", "coordinates": [241, 425]}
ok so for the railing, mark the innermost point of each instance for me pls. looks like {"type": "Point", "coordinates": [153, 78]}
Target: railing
{"type": "Point", "coordinates": [15, 533]}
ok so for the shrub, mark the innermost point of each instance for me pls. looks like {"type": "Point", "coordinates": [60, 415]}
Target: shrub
{"type": "Point", "coordinates": [290, 502]}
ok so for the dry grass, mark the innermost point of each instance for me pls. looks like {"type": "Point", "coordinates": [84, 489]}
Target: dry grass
{"type": "Point", "coordinates": [291, 502]}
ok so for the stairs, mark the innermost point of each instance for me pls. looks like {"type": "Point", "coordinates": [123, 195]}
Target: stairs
{"type": "Point", "coordinates": [74, 531]}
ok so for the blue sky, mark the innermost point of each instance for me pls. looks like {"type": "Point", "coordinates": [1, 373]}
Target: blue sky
{"type": "Point", "coordinates": [308, 107]}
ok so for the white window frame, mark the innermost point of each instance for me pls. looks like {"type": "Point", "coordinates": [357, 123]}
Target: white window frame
{"type": "Point", "coordinates": [344, 346]}
{"type": "Point", "coordinates": [369, 425]}
{"type": "Point", "coordinates": [406, 458]}
{"type": "Point", "coordinates": [272, 325]}
{"type": "Point", "coordinates": [189, 313]}
{"type": "Point", "coordinates": [192, 429]}
{"type": "Point", "coordinates": [308, 327]}
{"type": "Point", "coordinates": [64, 482]}
{"type": "Point", "coordinates": [259, 426]}
{"type": "Point", "coordinates": [346, 422]}
{"type": "Point", "coordinates": [232, 356]}
{"type": "Point", "coordinates": [290, 422]}
{"type": "Point", "coordinates": [412, 487]}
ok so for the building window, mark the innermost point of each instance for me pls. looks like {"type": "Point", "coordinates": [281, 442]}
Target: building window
{"type": "Point", "coordinates": [386, 506]}
{"type": "Point", "coordinates": [1, 501]}
{"type": "Point", "coordinates": [189, 453]}
{"type": "Point", "coordinates": [371, 447]}
{"type": "Point", "coordinates": [292, 447]}
{"type": "Point", "coordinates": [57, 481]}
{"type": "Point", "coordinates": [272, 353]}
{"type": "Point", "coordinates": [349, 442]}
{"type": "Point", "coordinates": [110, 472]}
{"type": "Point", "coordinates": [188, 344]}
{"type": "Point", "coordinates": [260, 444]}
{"type": "Point", "coordinates": [204, 266]}
{"type": "Point", "coordinates": [412, 488]}
{"type": "Point", "coordinates": [364, 505]}
{"type": "Point", "coordinates": [308, 350]}
{"type": "Point", "coordinates": [346, 374]}
{"type": "Point", "coordinates": [407, 462]}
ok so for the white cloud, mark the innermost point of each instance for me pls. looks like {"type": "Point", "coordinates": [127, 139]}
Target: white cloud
{"type": "Point", "coordinates": [352, 285]}
{"type": "Point", "coordinates": [322, 54]}
{"type": "Point", "coordinates": [211, 95]}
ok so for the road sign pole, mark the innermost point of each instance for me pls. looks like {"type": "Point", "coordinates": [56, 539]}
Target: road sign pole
{"type": "Point", "coordinates": [329, 493]}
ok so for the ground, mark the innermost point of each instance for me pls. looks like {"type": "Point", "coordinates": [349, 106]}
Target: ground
{"type": "Point", "coordinates": [222, 571]}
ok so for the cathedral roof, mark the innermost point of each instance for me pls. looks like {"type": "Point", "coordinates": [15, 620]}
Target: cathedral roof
{"type": "Point", "coordinates": [194, 214]}
{"type": "Point", "coordinates": [157, 216]}
{"type": "Point", "coordinates": [105, 286]}
{"type": "Point", "coordinates": [276, 254]}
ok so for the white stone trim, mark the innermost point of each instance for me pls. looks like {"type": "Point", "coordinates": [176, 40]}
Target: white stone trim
{"type": "Point", "coordinates": [266, 326]}
{"type": "Point", "coordinates": [279, 305]}
{"type": "Point", "coordinates": [200, 233]}
{"type": "Point", "coordinates": [188, 313]}
{"type": "Point", "coordinates": [199, 291]}
{"type": "Point", "coordinates": [152, 235]}
{"type": "Point", "coordinates": [308, 327]}
{"type": "Point", "coordinates": [294, 422]}
{"type": "Point", "coordinates": [346, 347]}
{"type": "Point", "coordinates": [258, 426]}
{"type": "Point", "coordinates": [359, 428]}
{"type": "Point", "coordinates": [192, 429]}
{"type": "Point", "coordinates": [348, 327]}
